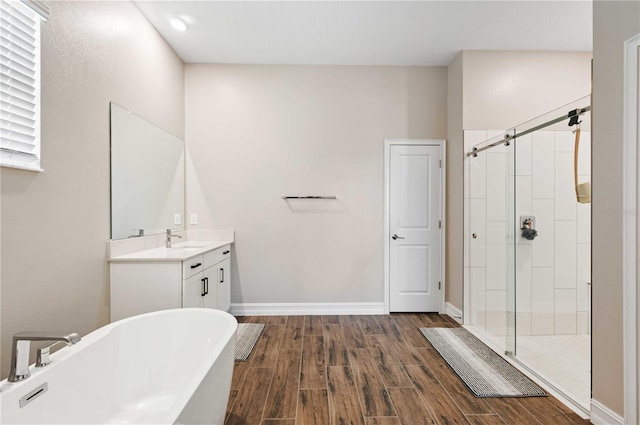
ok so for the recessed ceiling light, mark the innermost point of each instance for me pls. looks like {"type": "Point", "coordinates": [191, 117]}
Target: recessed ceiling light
{"type": "Point", "coordinates": [178, 23]}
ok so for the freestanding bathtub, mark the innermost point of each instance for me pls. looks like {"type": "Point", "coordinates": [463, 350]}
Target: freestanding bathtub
{"type": "Point", "coordinates": [171, 366]}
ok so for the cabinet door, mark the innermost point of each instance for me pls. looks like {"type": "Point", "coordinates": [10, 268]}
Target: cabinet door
{"type": "Point", "coordinates": [193, 291]}
{"type": "Point", "coordinates": [224, 285]}
{"type": "Point", "coordinates": [210, 299]}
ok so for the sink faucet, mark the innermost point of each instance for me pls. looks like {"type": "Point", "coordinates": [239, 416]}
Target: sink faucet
{"type": "Point", "coordinates": [168, 239]}
{"type": "Point", "coordinates": [139, 235]}
{"type": "Point", "coordinates": [20, 350]}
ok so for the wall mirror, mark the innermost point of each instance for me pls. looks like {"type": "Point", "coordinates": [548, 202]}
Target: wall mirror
{"type": "Point", "coordinates": [147, 177]}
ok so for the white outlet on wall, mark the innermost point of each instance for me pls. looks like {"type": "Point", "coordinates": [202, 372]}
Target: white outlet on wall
{"type": "Point", "coordinates": [177, 218]}
{"type": "Point", "coordinates": [193, 218]}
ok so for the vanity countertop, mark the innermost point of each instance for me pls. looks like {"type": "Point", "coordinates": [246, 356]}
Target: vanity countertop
{"type": "Point", "coordinates": [178, 252]}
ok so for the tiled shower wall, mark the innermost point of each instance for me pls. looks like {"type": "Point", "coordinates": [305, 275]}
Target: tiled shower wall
{"type": "Point", "coordinates": [552, 271]}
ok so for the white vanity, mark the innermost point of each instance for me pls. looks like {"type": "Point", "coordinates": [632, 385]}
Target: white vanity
{"type": "Point", "coordinates": [148, 272]}
{"type": "Point", "coordinates": [190, 274]}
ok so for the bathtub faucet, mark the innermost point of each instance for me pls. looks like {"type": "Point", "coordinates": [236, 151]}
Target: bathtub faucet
{"type": "Point", "coordinates": [21, 346]}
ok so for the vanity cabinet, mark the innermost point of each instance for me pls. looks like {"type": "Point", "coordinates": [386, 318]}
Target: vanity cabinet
{"type": "Point", "coordinates": [141, 286]}
{"type": "Point", "coordinates": [195, 293]}
{"type": "Point", "coordinates": [207, 282]}
{"type": "Point", "coordinates": [224, 284]}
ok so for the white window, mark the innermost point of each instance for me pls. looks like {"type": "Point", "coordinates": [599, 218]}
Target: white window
{"type": "Point", "coordinates": [20, 83]}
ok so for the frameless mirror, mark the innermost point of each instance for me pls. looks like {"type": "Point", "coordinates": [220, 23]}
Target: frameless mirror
{"type": "Point", "coordinates": [147, 177]}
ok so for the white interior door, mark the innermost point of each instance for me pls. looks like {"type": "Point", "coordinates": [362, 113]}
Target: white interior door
{"type": "Point", "coordinates": [414, 228]}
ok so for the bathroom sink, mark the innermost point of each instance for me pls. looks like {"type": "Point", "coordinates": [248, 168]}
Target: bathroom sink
{"type": "Point", "coordinates": [188, 247]}
{"type": "Point", "coordinates": [184, 248]}
{"type": "Point", "coordinates": [179, 251]}
{"type": "Point", "coordinates": [191, 245]}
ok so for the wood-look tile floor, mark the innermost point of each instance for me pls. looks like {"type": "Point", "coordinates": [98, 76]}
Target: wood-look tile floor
{"type": "Point", "coordinates": [365, 370]}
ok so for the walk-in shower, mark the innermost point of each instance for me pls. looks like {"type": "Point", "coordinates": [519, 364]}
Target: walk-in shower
{"type": "Point", "coordinates": [528, 245]}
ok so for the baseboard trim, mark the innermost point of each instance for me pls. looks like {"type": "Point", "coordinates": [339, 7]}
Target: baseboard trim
{"type": "Point", "coordinates": [454, 312]}
{"type": "Point", "coordinates": [602, 415]}
{"type": "Point", "coordinates": [289, 309]}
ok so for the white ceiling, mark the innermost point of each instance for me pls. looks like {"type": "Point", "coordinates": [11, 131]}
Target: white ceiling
{"type": "Point", "coordinates": [366, 32]}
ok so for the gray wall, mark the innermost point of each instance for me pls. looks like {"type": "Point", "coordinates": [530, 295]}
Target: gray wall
{"type": "Point", "coordinates": [257, 132]}
{"type": "Point", "coordinates": [55, 224]}
{"type": "Point", "coordinates": [614, 22]}
{"type": "Point", "coordinates": [505, 88]}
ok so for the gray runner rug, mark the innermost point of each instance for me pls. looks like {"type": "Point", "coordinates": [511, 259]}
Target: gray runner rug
{"type": "Point", "coordinates": [246, 336]}
{"type": "Point", "coordinates": [483, 371]}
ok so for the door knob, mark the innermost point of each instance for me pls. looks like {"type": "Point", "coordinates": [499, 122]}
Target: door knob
{"type": "Point", "coordinates": [394, 237]}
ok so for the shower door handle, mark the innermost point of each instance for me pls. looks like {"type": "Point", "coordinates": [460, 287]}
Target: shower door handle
{"type": "Point", "coordinates": [394, 237]}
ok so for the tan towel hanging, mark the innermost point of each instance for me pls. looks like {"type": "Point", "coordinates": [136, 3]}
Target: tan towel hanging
{"type": "Point", "coordinates": [583, 190]}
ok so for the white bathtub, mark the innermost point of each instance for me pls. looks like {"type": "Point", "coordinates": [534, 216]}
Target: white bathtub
{"type": "Point", "coordinates": [171, 366]}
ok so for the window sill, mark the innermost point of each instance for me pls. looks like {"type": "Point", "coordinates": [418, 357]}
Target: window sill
{"type": "Point", "coordinates": [25, 167]}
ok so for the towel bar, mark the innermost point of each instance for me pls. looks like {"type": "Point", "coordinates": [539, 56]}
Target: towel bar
{"type": "Point", "coordinates": [309, 197]}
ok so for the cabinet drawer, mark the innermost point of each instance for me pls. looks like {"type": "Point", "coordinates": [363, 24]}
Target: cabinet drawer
{"type": "Point", "coordinates": [192, 266]}
{"type": "Point", "coordinates": [217, 255]}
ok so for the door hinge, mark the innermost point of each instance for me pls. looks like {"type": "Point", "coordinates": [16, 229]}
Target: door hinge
{"type": "Point", "coordinates": [439, 286]}
{"type": "Point", "coordinates": [440, 163]}
{"type": "Point", "coordinates": [439, 224]}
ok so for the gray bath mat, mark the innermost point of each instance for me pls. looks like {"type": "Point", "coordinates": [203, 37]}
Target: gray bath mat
{"type": "Point", "coordinates": [246, 336]}
{"type": "Point", "coordinates": [483, 371]}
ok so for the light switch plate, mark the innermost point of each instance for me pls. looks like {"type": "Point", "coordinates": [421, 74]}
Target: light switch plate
{"type": "Point", "coordinates": [177, 218]}
{"type": "Point", "coordinates": [193, 218]}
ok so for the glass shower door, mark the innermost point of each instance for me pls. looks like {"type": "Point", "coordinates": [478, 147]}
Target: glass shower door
{"type": "Point", "coordinates": [529, 292]}
{"type": "Point", "coordinates": [552, 269]}
{"type": "Point", "coordinates": [490, 222]}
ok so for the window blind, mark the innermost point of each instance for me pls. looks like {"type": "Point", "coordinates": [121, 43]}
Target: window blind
{"type": "Point", "coordinates": [39, 7]}
{"type": "Point", "coordinates": [20, 85]}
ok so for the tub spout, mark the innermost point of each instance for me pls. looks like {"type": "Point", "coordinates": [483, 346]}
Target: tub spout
{"type": "Point", "coordinates": [20, 350]}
